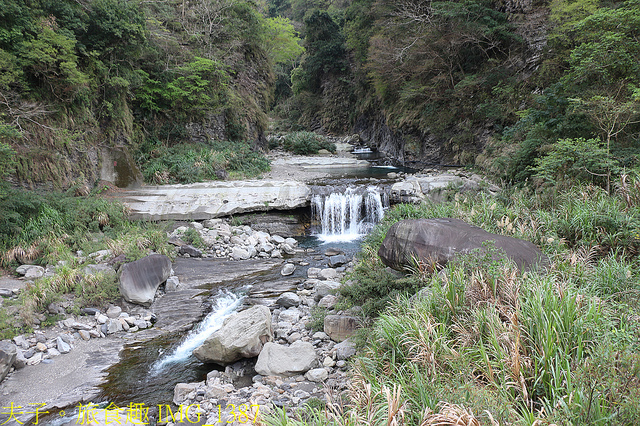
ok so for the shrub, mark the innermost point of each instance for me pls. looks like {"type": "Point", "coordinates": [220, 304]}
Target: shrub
{"type": "Point", "coordinates": [571, 160]}
{"type": "Point", "coordinates": [188, 163]}
{"type": "Point", "coordinates": [374, 288]}
{"type": "Point", "coordinates": [317, 318]}
{"type": "Point", "coordinates": [193, 237]}
{"type": "Point", "coordinates": [307, 143]}
{"type": "Point", "coordinates": [511, 348]}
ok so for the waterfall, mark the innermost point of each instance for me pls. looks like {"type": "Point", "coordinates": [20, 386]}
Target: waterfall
{"type": "Point", "coordinates": [349, 215]}
{"type": "Point", "coordinates": [226, 304]}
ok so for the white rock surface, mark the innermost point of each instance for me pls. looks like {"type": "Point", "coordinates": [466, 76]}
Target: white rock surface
{"type": "Point", "coordinates": [207, 200]}
{"type": "Point", "coordinates": [279, 360]}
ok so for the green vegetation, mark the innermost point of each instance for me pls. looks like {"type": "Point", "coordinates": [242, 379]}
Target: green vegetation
{"type": "Point", "coordinates": [79, 76]}
{"type": "Point", "coordinates": [317, 318]}
{"type": "Point", "coordinates": [544, 96]}
{"type": "Point", "coordinates": [473, 78]}
{"type": "Point", "coordinates": [193, 237]}
{"type": "Point", "coordinates": [306, 143]}
{"type": "Point", "coordinates": [69, 282]}
{"type": "Point", "coordinates": [487, 344]}
{"type": "Point", "coordinates": [187, 163]}
{"type": "Point", "coordinates": [48, 230]}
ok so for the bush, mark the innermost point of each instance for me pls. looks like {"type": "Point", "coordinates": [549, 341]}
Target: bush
{"type": "Point", "coordinates": [193, 237]}
{"type": "Point", "coordinates": [374, 288]}
{"type": "Point", "coordinates": [188, 163]}
{"type": "Point", "coordinates": [317, 318]}
{"type": "Point", "coordinates": [307, 143]}
{"type": "Point", "coordinates": [484, 340]}
{"type": "Point", "coordinates": [30, 220]}
{"type": "Point", "coordinates": [575, 160]}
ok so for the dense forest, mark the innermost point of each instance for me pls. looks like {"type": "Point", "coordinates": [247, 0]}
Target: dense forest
{"type": "Point", "coordinates": [519, 88]}
{"type": "Point", "coordinates": [522, 89]}
{"type": "Point", "coordinates": [76, 76]}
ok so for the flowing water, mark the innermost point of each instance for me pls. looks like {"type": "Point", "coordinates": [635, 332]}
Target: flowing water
{"type": "Point", "coordinates": [348, 215]}
{"type": "Point", "coordinates": [148, 372]}
{"type": "Point", "coordinates": [226, 303]}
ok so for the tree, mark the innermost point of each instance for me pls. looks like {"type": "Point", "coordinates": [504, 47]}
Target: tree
{"type": "Point", "coordinates": [325, 52]}
{"type": "Point", "coordinates": [612, 115]}
{"type": "Point", "coordinates": [283, 44]}
{"type": "Point", "coordinates": [116, 28]}
{"type": "Point", "coordinates": [50, 58]}
{"type": "Point", "coordinates": [568, 160]}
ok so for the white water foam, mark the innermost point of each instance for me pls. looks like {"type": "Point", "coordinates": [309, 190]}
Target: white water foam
{"type": "Point", "coordinates": [347, 216]}
{"type": "Point", "coordinates": [226, 304]}
{"type": "Point", "coordinates": [362, 151]}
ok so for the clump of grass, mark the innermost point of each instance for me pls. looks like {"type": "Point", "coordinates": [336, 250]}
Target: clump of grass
{"type": "Point", "coordinates": [50, 230]}
{"type": "Point", "coordinates": [306, 143]}
{"type": "Point", "coordinates": [317, 318]}
{"type": "Point", "coordinates": [10, 325]}
{"type": "Point", "coordinates": [138, 241]}
{"type": "Point", "coordinates": [375, 288]}
{"type": "Point", "coordinates": [89, 290]}
{"type": "Point", "coordinates": [42, 228]}
{"type": "Point", "coordinates": [188, 163]}
{"type": "Point", "coordinates": [193, 237]}
{"type": "Point", "coordinates": [503, 347]}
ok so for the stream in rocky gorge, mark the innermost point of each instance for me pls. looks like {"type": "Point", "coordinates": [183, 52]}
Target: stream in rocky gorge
{"type": "Point", "coordinates": [343, 210]}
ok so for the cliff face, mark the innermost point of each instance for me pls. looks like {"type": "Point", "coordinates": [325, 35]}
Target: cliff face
{"type": "Point", "coordinates": [108, 76]}
{"type": "Point", "coordinates": [417, 143]}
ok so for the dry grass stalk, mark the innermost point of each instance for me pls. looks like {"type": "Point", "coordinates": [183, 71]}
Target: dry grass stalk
{"type": "Point", "coordinates": [366, 407]}
{"type": "Point", "coordinates": [395, 405]}
{"type": "Point", "coordinates": [449, 415]}
{"type": "Point", "coordinates": [629, 190]}
{"type": "Point", "coordinates": [22, 255]}
{"type": "Point", "coordinates": [583, 256]}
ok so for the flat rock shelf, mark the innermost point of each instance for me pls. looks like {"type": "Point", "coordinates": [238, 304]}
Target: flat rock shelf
{"type": "Point", "coordinates": [208, 200]}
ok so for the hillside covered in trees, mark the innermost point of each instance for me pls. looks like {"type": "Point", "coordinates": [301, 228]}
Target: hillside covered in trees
{"type": "Point", "coordinates": [79, 76]}
{"type": "Point", "coordinates": [520, 88]}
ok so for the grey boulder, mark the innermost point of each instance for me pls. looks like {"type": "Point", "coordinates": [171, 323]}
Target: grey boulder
{"type": "Point", "coordinates": [242, 335]}
{"type": "Point", "coordinates": [288, 299]}
{"type": "Point", "coordinates": [190, 250]}
{"type": "Point", "coordinates": [338, 260]}
{"type": "Point", "coordinates": [340, 327]}
{"type": "Point", "coordinates": [8, 353]}
{"type": "Point", "coordinates": [288, 269]}
{"type": "Point", "coordinates": [442, 240]}
{"type": "Point", "coordinates": [345, 350]}
{"type": "Point", "coordinates": [139, 280]}
{"type": "Point", "coordinates": [324, 288]}
{"type": "Point", "coordinates": [287, 361]}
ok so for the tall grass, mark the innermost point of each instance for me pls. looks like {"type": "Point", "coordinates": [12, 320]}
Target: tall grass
{"type": "Point", "coordinates": [54, 227]}
{"type": "Point", "coordinates": [502, 347]}
{"type": "Point", "coordinates": [187, 163]}
{"type": "Point", "coordinates": [306, 143]}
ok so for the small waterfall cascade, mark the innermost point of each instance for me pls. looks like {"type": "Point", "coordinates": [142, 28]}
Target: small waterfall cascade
{"type": "Point", "coordinates": [226, 304]}
{"type": "Point", "coordinates": [348, 215]}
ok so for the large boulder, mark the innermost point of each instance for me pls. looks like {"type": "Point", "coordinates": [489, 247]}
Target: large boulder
{"type": "Point", "coordinates": [442, 240]}
{"type": "Point", "coordinates": [139, 280]}
{"type": "Point", "coordinates": [8, 353]}
{"type": "Point", "coordinates": [242, 335]}
{"type": "Point", "coordinates": [287, 361]}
